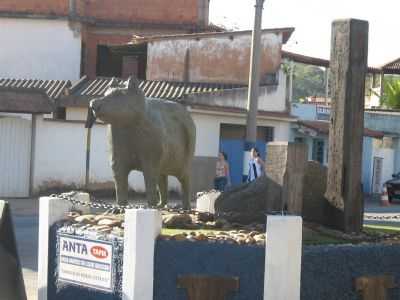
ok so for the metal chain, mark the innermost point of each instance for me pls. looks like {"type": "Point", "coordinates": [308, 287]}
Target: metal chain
{"type": "Point", "coordinates": [115, 208]}
{"type": "Point", "coordinates": [110, 208]}
{"type": "Point", "coordinates": [382, 218]}
{"type": "Point", "coordinates": [94, 203]}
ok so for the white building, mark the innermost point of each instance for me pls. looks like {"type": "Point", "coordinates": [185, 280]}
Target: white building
{"type": "Point", "coordinates": [40, 49]}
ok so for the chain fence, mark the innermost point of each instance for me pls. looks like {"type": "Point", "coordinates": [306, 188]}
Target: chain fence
{"type": "Point", "coordinates": [72, 197]}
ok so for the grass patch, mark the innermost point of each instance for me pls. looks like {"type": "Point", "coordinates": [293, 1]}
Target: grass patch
{"type": "Point", "coordinates": [381, 229]}
{"type": "Point", "coordinates": [311, 237]}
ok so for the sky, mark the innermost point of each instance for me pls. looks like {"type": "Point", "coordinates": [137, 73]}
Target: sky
{"type": "Point", "coordinates": [312, 21]}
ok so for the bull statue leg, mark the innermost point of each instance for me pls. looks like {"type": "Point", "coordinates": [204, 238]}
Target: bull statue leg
{"type": "Point", "coordinates": [121, 186]}
{"type": "Point", "coordinates": [151, 179]}
{"type": "Point", "coordinates": [186, 183]}
{"type": "Point", "coordinates": [163, 190]}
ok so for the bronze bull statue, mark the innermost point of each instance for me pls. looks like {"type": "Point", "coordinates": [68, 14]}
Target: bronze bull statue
{"type": "Point", "coordinates": [156, 137]}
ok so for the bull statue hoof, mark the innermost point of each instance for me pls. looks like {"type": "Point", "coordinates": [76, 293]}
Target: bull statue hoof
{"type": "Point", "coordinates": [156, 137]}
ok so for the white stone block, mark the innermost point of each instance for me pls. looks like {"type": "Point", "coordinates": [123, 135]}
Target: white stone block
{"type": "Point", "coordinates": [83, 197]}
{"type": "Point", "coordinates": [206, 202]}
{"type": "Point", "coordinates": [142, 226]}
{"type": "Point", "coordinates": [51, 210]}
{"type": "Point", "coordinates": [283, 258]}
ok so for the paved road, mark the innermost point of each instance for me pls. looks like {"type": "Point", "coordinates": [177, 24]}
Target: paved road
{"type": "Point", "coordinates": [25, 216]}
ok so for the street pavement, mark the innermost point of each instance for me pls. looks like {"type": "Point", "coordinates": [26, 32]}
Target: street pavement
{"type": "Point", "coordinates": [26, 221]}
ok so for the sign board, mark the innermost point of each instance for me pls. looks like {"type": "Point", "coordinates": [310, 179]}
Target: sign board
{"type": "Point", "coordinates": [86, 262]}
{"type": "Point", "coordinates": [323, 112]}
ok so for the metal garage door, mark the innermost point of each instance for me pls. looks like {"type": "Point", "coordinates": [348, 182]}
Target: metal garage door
{"type": "Point", "coordinates": [15, 152]}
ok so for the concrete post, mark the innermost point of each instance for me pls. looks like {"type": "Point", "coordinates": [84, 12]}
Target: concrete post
{"type": "Point", "coordinates": [295, 171]}
{"type": "Point", "coordinates": [348, 68]}
{"type": "Point", "coordinates": [51, 210]}
{"type": "Point", "coordinates": [285, 167]}
{"type": "Point", "coordinates": [283, 258]}
{"type": "Point", "coordinates": [141, 230]}
{"type": "Point", "coordinates": [254, 87]}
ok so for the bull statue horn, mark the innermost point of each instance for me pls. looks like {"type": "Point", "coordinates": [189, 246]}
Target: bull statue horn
{"type": "Point", "coordinates": [113, 83]}
{"type": "Point", "coordinates": [132, 83]}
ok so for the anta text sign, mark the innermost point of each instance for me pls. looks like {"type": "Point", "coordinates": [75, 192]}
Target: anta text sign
{"type": "Point", "coordinates": [85, 262]}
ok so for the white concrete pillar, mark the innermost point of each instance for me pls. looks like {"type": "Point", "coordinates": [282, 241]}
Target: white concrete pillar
{"type": "Point", "coordinates": [283, 258]}
{"type": "Point", "coordinates": [142, 226]}
{"type": "Point", "coordinates": [51, 210]}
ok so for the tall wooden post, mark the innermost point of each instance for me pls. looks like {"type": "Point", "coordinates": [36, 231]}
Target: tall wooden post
{"type": "Point", "coordinates": [349, 53]}
{"type": "Point", "coordinates": [254, 87]}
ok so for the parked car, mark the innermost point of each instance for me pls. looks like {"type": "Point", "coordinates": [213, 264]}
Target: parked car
{"type": "Point", "coordinates": [393, 187]}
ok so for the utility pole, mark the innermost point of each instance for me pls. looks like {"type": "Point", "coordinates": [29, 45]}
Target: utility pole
{"type": "Point", "coordinates": [254, 85]}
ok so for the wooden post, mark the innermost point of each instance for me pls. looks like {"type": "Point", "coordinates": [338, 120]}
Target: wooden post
{"type": "Point", "coordinates": [372, 288]}
{"type": "Point", "coordinates": [348, 66]}
{"type": "Point", "coordinates": [203, 287]}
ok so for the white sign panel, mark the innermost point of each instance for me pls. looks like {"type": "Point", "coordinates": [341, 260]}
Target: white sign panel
{"type": "Point", "coordinates": [86, 262]}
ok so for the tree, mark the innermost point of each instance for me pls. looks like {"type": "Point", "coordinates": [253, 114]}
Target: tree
{"type": "Point", "coordinates": [308, 81]}
{"type": "Point", "coordinates": [391, 97]}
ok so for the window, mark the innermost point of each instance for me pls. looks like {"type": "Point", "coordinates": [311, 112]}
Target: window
{"type": "Point", "coordinates": [299, 140]}
{"type": "Point", "coordinates": [60, 113]}
{"type": "Point", "coordinates": [269, 134]}
{"type": "Point", "coordinates": [318, 150]}
{"type": "Point", "coordinates": [270, 79]}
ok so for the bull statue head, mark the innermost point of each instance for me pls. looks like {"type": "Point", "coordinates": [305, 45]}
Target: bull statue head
{"type": "Point", "coordinates": [120, 104]}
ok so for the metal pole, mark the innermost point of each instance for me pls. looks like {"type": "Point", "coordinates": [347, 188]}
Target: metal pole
{"type": "Point", "coordinates": [88, 142]}
{"type": "Point", "coordinates": [326, 85]}
{"type": "Point", "coordinates": [291, 82]}
{"type": "Point", "coordinates": [254, 83]}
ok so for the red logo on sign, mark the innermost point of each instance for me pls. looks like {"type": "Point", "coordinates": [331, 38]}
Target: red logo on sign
{"type": "Point", "coordinates": [99, 252]}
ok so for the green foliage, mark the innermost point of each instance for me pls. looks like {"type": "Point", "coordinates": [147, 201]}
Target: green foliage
{"type": "Point", "coordinates": [391, 97]}
{"type": "Point", "coordinates": [308, 81]}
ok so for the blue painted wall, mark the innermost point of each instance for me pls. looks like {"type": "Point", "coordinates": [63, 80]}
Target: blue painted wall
{"type": "Point", "coordinates": [328, 272]}
{"type": "Point", "coordinates": [367, 162]}
{"type": "Point", "coordinates": [173, 259]}
{"type": "Point", "coordinates": [389, 123]}
{"type": "Point", "coordinates": [234, 150]}
{"type": "Point", "coordinates": [304, 111]}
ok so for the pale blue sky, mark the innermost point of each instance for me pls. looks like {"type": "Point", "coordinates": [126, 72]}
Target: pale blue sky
{"type": "Point", "coordinates": [312, 20]}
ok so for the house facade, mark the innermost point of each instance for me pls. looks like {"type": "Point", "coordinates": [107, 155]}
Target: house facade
{"type": "Point", "coordinates": [65, 39]}
{"type": "Point", "coordinates": [381, 151]}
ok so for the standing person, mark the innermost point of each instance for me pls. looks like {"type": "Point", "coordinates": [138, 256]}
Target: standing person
{"type": "Point", "coordinates": [256, 165]}
{"type": "Point", "coordinates": [222, 177]}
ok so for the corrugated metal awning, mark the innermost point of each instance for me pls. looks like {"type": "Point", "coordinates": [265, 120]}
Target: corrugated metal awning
{"type": "Point", "coordinates": [85, 89]}
{"type": "Point", "coordinates": [53, 88]}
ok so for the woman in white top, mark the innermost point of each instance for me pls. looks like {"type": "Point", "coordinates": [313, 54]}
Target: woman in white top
{"type": "Point", "coordinates": [256, 165]}
{"type": "Point", "coordinates": [222, 173]}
